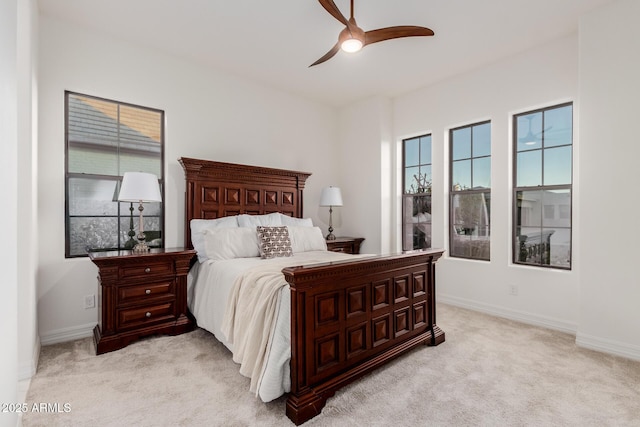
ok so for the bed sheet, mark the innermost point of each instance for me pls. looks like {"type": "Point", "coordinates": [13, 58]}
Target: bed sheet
{"type": "Point", "coordinates": [209, 285]}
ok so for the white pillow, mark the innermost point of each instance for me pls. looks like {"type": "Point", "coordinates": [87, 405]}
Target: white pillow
{"type": "Point", "coordinates": [268, 220]}
{"type": "Point", "coordinates": [230, 243]}
{"type": "Point", "coordinates": [199, 225]}
{"type": "Point", "coordinates": [300, 222]}
{"type": "Point", "coordinates": [305, 239]}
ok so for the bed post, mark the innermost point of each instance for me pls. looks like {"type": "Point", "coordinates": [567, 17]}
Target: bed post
{"type": "Point", "coordinates": [437, 334]}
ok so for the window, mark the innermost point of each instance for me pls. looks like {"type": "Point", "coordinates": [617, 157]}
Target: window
{"type": "Point", "coordinates": [104, 139]}
{"type": "Point", "coordinates": [416, 198]}
{"type": "Point", "coordinates": [543, 142]}
{"type": "Point", "coordinates": [470, 201]}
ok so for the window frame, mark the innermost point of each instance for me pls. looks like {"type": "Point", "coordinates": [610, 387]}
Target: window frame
{"type": "Point", "coordinates": [516, 248]}
{"type": "Point", "coordinates": [406, 196]}
{"type": "Point", "coordinates": [470, 191]}
{"type": "Point", "coordinates": [122, 212]}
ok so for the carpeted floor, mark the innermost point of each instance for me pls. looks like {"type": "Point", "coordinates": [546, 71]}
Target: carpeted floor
{"type": "Point", "coordinates": [489, 372]}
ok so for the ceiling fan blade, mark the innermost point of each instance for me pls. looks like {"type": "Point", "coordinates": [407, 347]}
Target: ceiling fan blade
{"type": "Point", "coordinates": [382, 34]}
{"type": "Point", "coordinates": [331, 7]}
{"type": "Point", "coordinates": [327, 55]}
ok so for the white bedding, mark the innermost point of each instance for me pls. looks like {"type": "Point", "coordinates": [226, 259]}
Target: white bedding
{"type": "Point", "coordinates": [209, 286]}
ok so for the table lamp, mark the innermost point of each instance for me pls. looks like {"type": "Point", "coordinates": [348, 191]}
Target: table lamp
{"type": "Point", "coordinates": [331, 196]}
{"type": "Point", "coordinates": [140, 187]}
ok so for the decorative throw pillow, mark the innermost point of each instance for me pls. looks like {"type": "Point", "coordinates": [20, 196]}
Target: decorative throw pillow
{"type": "Point", "coordinates": [274, 241]}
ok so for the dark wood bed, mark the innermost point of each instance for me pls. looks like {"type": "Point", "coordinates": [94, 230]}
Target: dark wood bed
{"type": "Point", "coordinates": [347, 318]}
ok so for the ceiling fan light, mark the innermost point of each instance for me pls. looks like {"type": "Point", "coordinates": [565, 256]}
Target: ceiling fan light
{"type": "Point", "coordinates": [351, 39]}
{"type": "Point", "coordinates": [351, 45]}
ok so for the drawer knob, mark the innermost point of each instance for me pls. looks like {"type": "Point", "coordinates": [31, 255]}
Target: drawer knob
{"type": "Point", "coordinates": [147, 270]}
{"type": "Point", "coordinates": [148, 314]}
{"type": "Point", "coordinates": [148, 291]}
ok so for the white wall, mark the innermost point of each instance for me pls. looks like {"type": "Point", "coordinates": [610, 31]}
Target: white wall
{"type": "Point", "coordinates": [363, 156]}
{"type": "Point", "coordinates": [541, 77]}
{"type": "Point", "coordinates": [8, 216]}
{"type": "Point", "coordinates": [208, 115]}
{"type": "Point", "coordinates": [28, 339]}
{"type": "Point", "coordinates": [609, 177]}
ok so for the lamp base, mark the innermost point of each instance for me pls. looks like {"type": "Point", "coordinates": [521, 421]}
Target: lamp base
{"type": "Point", "coordinates": [330, 236]}
{"type": "Point", "coordinates": [141, 247]}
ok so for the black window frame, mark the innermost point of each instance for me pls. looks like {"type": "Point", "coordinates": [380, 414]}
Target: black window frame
{"type": "Point", "coordinates": [543, 248]}
{"type": "Point", "coordinates": [453, 191]}
{"type": "Point", "coordinates": [421, 197]}
{"type": "Point", "coordinates": [125, 213]}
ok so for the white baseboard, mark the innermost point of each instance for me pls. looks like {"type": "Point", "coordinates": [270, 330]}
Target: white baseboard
{"type": "Point", "coordinates": [67, 334]}
{"type": "Point", "coordinates": [590, 342]}
{"type": "Point", "coordinates": [608, 346]}
{"type": "Point", "coordinates": [27, 368]}
{"type": "Point", "coordinates": [519, 316]}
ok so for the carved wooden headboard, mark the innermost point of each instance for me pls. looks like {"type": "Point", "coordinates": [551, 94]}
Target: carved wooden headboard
{"type": "Point", "coordinates": [216, 189]}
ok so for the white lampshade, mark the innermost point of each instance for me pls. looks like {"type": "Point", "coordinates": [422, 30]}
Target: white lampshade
{"type": "Point", "coordinates": [331, 196]}
{"type": "Point", "coordinates": [139, 187]}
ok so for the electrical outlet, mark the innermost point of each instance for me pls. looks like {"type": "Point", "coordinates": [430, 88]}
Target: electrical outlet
{"type": "Point", "coordinates": [89, 301]}
{"type": "Point", "coordinates": [513, 289]}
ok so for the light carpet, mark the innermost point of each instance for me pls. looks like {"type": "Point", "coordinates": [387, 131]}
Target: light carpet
{"type": "Point", "coordinates": [489, 372]}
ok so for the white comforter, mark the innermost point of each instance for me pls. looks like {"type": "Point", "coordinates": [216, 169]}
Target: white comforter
{"type": "Point", "coordinates": [264, 350]}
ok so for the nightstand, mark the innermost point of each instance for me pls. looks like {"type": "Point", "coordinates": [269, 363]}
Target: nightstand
{"type": "Point", "coordinates": [348, 245]}
{"type": "Point", "coordinates": [141, 294]}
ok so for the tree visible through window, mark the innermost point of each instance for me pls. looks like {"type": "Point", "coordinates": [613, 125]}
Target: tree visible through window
{"type": "Point", "coordinates": [416, 199]}
{"type": "Point", "coordinates": [105, 139]}
{"type": "Point", "coordinates": [543, 142]}
{"type": "Point", "coordinates": [470, 208]}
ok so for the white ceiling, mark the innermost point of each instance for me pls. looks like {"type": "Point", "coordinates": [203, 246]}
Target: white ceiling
{"type": "Point", "coordinates": [273, 42]}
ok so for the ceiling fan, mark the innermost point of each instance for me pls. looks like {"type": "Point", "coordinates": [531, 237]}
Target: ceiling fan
{"type": "Point", "coordinates": [354, 38]}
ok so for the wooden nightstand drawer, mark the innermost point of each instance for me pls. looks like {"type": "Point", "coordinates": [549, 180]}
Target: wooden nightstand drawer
{"type": "Point", "coordinates": [347, 245]}
{"type": "Point", "coordinates": [147, 269]}
{"type": "Point", "coordinates": [134, 317]}
{"type": "Point", "coordinates": [347, 249]}
{"type": "Point", "coordinates": [136, 293]}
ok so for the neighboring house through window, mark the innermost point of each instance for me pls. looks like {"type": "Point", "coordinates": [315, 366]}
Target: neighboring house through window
{"type": "Point", "coordinates": [470, 201]}
{"type": "Point", "coordinates": [105, 139]}
{"type": "Point", "coordinates": [542, 193]}
{"type": "Point", "coordinates": [416, 198]}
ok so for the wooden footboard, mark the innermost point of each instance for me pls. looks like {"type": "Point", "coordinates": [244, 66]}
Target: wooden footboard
{"type": "Point", "coordinates": [348, 318]}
